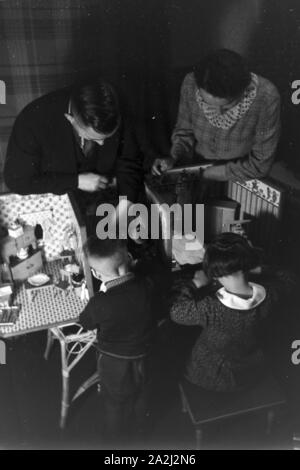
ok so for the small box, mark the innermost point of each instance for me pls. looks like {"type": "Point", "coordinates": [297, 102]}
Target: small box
{"type": "Point", "coordinates": [22, 270]}
{"type": "Point", "coordinates": [218, 217]}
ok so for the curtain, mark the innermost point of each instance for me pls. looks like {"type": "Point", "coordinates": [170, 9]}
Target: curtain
{"type": "Point", "coordinates": [50, 44]}
{"type": "Point", "coordinates": [144, 47]}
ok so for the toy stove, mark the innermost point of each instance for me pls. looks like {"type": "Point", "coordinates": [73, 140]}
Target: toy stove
{"type": "Point", "coordinates": [177, 186]}
{"type": "Point", "coordinates": [184, 185]}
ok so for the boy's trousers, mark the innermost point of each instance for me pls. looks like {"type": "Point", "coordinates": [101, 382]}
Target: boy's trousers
{"type": "Point", "coordinates": [124, 388]}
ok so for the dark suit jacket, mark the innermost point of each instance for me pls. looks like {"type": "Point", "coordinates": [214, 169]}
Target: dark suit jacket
{"type": "Point", "coordinates": [43, 154]}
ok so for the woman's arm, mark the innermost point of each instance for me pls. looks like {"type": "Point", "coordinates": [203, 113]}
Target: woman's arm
{"type": "Point", "coordinates": [259, 162]}
{"type": "Point", "coordinates": [183, 138]}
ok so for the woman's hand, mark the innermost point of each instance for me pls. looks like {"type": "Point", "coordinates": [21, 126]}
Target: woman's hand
{"type": "Point", "coordinates": [200, 279]}
{"type": "Point", "coordinates": [161, 165]}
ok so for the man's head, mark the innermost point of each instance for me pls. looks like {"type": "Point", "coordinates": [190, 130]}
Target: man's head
{"type": "Point", "coordinates": [229, 255]}
{"type": "Point", "coordinates": [94, 111]}
{"type": "Point", "coordinates": [107, 258]}
{"type": "Point", "coordinates": [222, 77]}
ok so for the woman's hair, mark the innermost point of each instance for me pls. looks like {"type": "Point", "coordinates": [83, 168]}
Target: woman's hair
{"type": "Point", "coordinates": [97, 105]}
{"type": "Point", "coordinates": [223, 74]}
{"type": "Point", "coordinates": [229, 253]}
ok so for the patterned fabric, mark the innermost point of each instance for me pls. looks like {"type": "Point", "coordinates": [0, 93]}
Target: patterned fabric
{"type": "Point", "coordinates": [228, 119]}
{"type": "Point", "coordinates": [52, 212]}
{"type": "Point", "coordinates": [47, 310]}
{"type": "Point", "coordinates": [247, 148]}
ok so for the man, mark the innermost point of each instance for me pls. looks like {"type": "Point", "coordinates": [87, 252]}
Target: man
{"type": "Point", "coordinates": [227, 116]}
{"type": "Point", "coordinates": [74, 139]}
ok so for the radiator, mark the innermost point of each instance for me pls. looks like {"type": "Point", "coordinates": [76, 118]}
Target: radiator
{"type": "Point", "coordinates": [262, 203]}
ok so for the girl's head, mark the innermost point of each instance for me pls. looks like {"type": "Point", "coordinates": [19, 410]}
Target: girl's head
{"type": "Point", "coordinates": [229, 254]}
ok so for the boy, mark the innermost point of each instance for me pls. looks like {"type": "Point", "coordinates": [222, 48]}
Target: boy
{"type": "Point", "coordinates": [228, 355]}
{"type": "Point", "coordinates": [121, 312]}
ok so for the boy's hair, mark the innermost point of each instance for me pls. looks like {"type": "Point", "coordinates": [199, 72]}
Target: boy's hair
{"type": "Point", "coordinates": [97, 105]}
{"type": "Point", "coordinates": [108, 248]}
{"type": "Point", "coordinates": [223, 74]}
{"type": "Point", "coordinates": [229, 253]}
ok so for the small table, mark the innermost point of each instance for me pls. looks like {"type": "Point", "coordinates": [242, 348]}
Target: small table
{"type": "Point", "coordinates": [53, 313]}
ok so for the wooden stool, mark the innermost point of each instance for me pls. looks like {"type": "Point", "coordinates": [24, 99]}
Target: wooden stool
{"type": "Point", "coordinates": [206, 407]}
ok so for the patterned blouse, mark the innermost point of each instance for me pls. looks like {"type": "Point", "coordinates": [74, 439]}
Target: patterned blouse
{"type": "Point", "coordinates": [247, 147]}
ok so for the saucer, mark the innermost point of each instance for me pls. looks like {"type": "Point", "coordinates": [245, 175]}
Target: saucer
{"type": "Point", "coordinates": [38, 280]}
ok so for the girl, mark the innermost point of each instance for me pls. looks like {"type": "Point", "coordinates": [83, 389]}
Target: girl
{"type": "Point", "coordinates": [228, 355]}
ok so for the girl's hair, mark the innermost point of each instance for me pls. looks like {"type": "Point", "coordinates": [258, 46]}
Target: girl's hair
{"type": "Point", "coordinates": [223, 74]}
{"type": "Point", "coordinates": [229, 253]}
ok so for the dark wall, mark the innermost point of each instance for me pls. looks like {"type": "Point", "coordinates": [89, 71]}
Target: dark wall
{"type": "Point", "coordinates": [145, 47]}
{"type": "Point", "coordinates": [174, 34]}
{"type": "Point", "coordinates": [266, 32]}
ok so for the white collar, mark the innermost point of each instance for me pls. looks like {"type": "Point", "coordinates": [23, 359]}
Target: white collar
{"type": "Point", "coordinates": [105, 286]}
{"type": "Point", "coordinates": [237, 303]}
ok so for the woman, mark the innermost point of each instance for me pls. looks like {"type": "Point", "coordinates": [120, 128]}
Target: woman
{"type": "Point", "coordinates": [227, 116]}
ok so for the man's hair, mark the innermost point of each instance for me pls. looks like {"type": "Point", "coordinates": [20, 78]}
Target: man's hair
{"type": "Point", "coordinates": [108, 248]}
{"type": "Point", "coordinates": [229, 253]}
{"type": "Point", "coordinates": [223, 74]}
{"type": "Point", "coordinates": [97, 105]}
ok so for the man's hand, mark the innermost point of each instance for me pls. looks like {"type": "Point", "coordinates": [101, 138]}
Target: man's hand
{"type": "Point", "coordinates": [161, 165]}
{"type": "Point", "coordinates": [91, 182]}
{"type": "Point", "coordinates": [200, 279]}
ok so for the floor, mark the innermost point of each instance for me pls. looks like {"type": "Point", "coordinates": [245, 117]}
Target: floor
{"type": "Point", "coordinates": [30, 403]}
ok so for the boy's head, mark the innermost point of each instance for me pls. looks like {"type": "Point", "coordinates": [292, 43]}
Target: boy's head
{"type": "Point", "coordinates": [107, 258]}
{"type": "Point", "coordinates": [229, 254]}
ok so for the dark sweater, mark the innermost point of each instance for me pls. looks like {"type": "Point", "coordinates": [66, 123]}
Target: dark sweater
{"type": "Point", "coordinates": [229, 353]}
{"type": "Point", "coordinates": [43, 154]}
{"type": "Point", "coordinates": [123, 317]}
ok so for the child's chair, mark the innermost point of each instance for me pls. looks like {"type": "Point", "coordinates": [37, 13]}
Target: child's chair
{"type": "Point", "coordinates": [206, 407]}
